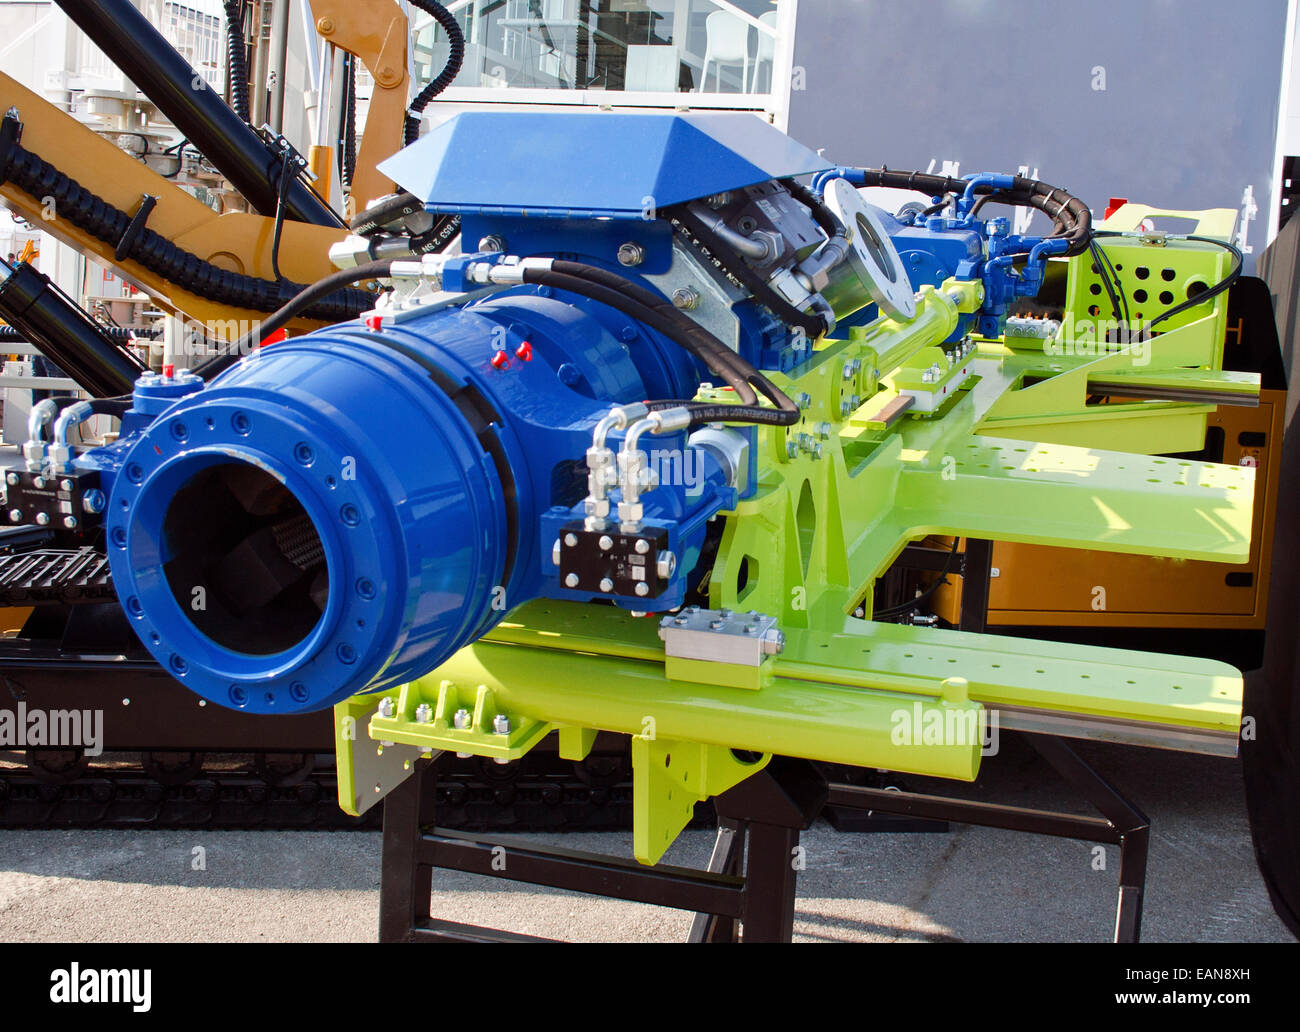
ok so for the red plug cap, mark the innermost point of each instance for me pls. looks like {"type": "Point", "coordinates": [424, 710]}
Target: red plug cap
{"type": "Point", "coordinates": [524, 352]}
{"type": "Point", "coordinates": [169, 371]}
{"type": "Point", "coordinates": [500, 360]}
{"type": "Point", "coordinates": [375, 322]}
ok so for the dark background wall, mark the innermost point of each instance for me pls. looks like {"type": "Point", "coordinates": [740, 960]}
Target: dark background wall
{"type": "Point", "coordinates": [1187, 118]}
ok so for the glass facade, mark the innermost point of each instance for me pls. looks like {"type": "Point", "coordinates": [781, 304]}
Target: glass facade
{"type": "Point", "coordinates": [716, 48]}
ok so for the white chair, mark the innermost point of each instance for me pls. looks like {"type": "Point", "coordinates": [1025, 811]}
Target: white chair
{"type": "Point", "coordinates": [766, 51]}
{"type": "Point", "coordinates": [726, 42]}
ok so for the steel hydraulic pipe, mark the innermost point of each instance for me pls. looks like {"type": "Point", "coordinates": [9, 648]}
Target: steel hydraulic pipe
{"type": "Point", "coordinates": [197, 111]}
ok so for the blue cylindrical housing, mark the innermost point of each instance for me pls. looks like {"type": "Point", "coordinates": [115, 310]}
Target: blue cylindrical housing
{"type": "Point", "coordinates": [346, 509]}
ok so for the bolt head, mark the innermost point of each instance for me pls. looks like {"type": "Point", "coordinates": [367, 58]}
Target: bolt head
{"type": "Point", "coordinates": [631, 253]}
{"type": "Point", "coordinates": [686, 298]}
{"type": "Point", "coordinates": [38, 482]}
{"type": "Point", "coordinates": [460, 719]}
{"type": "Point", "coordinates": [387, 707]}
{"type": "Point", "coordinates": [423, 713]}
{"type": "Point", "coordinates": [642, 588]}
{"type": "Point", "coordinates": [570, 540]}
{"type": "Point", "coordinates": [12, 479]}
{"type": "Point", "coordinates": [70, 522]}
{"type": "Point", "coordinates": [571, 580]}
{"type": "Point", "coordinates": [501, 724]}
{"type": "Point", "coordinates": [606, 585]}
{"type": "Point", "coordinates": [606, 542]}
{"type": "Point", "coordinates": [642, 546]}
{"type": "Point", "coordinates": [65, 484]}
{"type": "Point", "coordinates": [15, 515]}
{"type": "Point", "coordinates": [42, 519]}
{"type": "Point", "coordinates": [666, 564]}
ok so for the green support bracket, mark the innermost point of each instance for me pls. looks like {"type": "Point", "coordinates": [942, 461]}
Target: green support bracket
{"type": "Point", "coordinates": [669, 777]}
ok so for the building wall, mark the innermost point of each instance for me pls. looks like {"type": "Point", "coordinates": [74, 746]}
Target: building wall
{"type": "Point", "coordinates": [1173, 103]}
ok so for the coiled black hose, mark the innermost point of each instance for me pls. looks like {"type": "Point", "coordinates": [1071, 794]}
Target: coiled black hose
{"type": "Point", "coordinates": [452, 68]}
{"type": "Point", "coordinates": [237, 58]}
{"type": "Point", "coordinates": [12, 335]}
{"type": "Point", "coordinates": [349, 129]}
{"type": "Point", "coordinates": [92, 214]}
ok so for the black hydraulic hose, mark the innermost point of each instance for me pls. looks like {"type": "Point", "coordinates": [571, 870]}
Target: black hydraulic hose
{"type": "Point", "coordinates": [452, 68]}
{"type": "Point", "coordinates": [812, 325]}
{"type": "Point", "coordinates": [114, 407]}
{"type": "Point", "coordinates": [91, 213]}
{"type": "Point", "coordinates": [1238, 262]}
{"type": "Point", "coordinates": [384, 212]}
{"type": "Point", "coordinates": [694, 338]}
{"type": "Point", "coordinates": [117, 334]}
{"type": "Point", "coordinates": [1070, 216]}
{"type": "Point", "coordinates": [665, 309]}
{"type": "Point", "coordinates": [823, 216]}
{"type": "Point", "coordinates": [625, 295]}
{"type": "Point", "coordinates": [708, 412]}
{"type": "Point", "coordinates": [348, 132]}
{"type": "Point", "coordinates": [237, 58]}
{"type": "Point", "coordinates": [397, 207]}
{"type": "Point", "coordinates": [300, 303]}
{"type": "Point", "coordinates": [199, 114]}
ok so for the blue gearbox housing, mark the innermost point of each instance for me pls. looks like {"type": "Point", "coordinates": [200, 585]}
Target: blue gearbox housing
{"type": "Point", "coordinates": [347, 508]}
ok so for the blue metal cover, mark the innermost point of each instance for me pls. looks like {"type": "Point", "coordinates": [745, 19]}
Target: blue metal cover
{"type": "Point", "coordinates": [591, 164]}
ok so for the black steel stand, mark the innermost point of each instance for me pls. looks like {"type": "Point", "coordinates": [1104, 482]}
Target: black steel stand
{"type": "Point", "coordinates": [770, 809]}
{"type": "Point", "coordinates": [747, 892]}
{"type": "Point", "coordinates": [1121, 823]}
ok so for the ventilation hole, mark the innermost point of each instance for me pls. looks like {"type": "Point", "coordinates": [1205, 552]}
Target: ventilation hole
{"type": "Point", "coordinates": [1168, 275]}
{"type": "Point", "coordinates": [1141, 272]}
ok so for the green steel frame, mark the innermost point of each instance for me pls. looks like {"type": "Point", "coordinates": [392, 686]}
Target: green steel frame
{"type": "Point", "coordinates": [1001, 444]}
